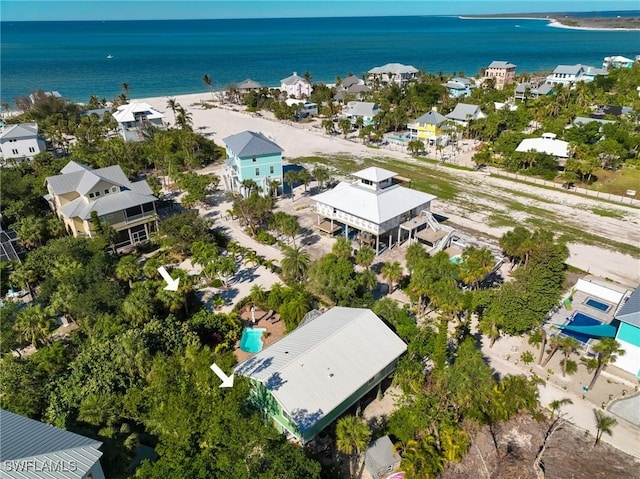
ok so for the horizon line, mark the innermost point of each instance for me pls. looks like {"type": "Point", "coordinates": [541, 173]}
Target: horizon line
{"type": "Point", "coordinates": [454, 15]}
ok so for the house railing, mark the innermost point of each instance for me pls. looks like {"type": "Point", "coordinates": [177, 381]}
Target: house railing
{"type": "Point", "coordinates": [131, 219]}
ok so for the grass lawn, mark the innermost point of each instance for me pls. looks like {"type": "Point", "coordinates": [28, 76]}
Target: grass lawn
{"type": "Point", "coordinates": [618, 182]}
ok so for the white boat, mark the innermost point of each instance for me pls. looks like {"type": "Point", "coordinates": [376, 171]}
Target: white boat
{"type": "Point", "coordinates": [109, 56]}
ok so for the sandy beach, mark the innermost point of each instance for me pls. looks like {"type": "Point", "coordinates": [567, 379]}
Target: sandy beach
{"type": "Point", "coordinates": [576, 23]}
{"type": "Point", "coordinates": [299, 140]}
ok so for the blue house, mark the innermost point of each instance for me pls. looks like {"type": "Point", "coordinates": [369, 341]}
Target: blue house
{"type": "Point", "coordinates": [458, 87]}
{"type": "Point", "coordinates": [628, 334]}
{"type": "Point", "coordinates": [252, 156]}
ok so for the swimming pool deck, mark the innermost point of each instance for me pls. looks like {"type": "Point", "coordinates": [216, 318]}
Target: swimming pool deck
{"type": "Point", "coordinates": [274, 331]}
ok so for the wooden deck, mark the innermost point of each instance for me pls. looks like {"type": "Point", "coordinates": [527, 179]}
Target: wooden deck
{"type": "Point", "coordinates": [274, 331]}
{"type": "Point", "coordinates": [325, 227]}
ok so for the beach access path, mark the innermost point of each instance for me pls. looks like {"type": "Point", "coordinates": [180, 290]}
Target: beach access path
{"type": "Point", "coordinates": [482, 195]}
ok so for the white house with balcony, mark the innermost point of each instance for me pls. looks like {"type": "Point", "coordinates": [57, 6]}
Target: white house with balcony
{"type": "Point", "coordinates": [135, 119]}
{"type": "Point", "coordinates": [128, 207]}
{"type": "Point", "coordinates": [296, 86]}
{"type": "Point", "coordinates": [374, 208]}
{"type": "Point", "coordinates": [570, 74]}
{"type": "Point", "coordinates": [20, 142]}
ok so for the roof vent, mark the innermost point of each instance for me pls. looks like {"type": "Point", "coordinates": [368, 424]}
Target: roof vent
{"type": "Point", "coordinates": [330, 375]}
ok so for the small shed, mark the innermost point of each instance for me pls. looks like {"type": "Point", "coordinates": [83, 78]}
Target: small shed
{"type": "Point", "coordinates": [381, 459]}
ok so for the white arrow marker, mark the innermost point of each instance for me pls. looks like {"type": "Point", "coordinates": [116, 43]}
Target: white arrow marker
{"type": "Point", "coordinates": [172, 284]}
{"type": "Point", "coordinates": [227, 381]}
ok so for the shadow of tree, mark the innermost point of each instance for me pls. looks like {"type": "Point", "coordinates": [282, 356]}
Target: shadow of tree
{"type": "Point", "coordinates": [305, 419]}
{"type": "Point", "coordinates": [275, 382]}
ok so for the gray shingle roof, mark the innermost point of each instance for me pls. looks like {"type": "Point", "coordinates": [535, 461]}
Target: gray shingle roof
{"type": "Point", "coordinates": [431, 118]}
{"type": "Point", "coordinates": [293, 79]}
{"type": "Point", "coordinates": [314, 369]}
{"type": "Point", "coordinates": [21, 130]}
{"type": "Point", "coordinates": [630, 311]}
{"type": "Point", "coordinates": [501, 64]}
{"type": "Point", "coordinates": [568, 69]}
{"type": "Point", "coordinates": [394, 68]}
{"type": "Point", "coordinates": [250, 143]}
{"type": "Point", "coordinates": [349, 81]}
{"type": "Point", "coordinates": [24, 438]}
{"type": "Point", "coordinates": [464, 110]}
{"type": "Point", "coordinates": [248, 84]}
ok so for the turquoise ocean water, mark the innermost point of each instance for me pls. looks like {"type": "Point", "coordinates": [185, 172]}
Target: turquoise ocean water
{"type": "Point", "coordinates": [157, 58]}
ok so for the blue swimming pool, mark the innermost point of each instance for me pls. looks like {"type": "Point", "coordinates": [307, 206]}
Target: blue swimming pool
{"type": "Point", "coordinates": [251, 340]}
{"type": "Point", "coordinates": [457, 260]}
{"type": "Point", "coordinates": [599, 305]}
{"type": "Point", "coordinates": [581, 319]}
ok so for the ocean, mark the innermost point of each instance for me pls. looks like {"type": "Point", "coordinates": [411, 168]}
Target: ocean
{"type": "Point", "coordinates": [170, 57]}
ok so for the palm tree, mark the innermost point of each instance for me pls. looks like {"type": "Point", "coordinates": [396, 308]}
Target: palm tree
{"type": "Point", "coordinates": [342, 247]}
{"type": "Point", "coordinates": [604, 425]}
{"type": "Point", "coordinates": [327, 125]}
{"type": "Point", "coordinates": [31, 231]}
{"type": "Point", "coordinates": [184, 120]}
{"type": "Point", "coordinates": [23, 275]}
{"type": "Point", "coordinates": [415, 146]}
{"type": "Point", "coordinates": [207, 81]}
{"type": "Point", "coordinates": [321, 174]}
{"type": "Point", "coordinates": [554, 343]}
{"type": "Point", "coordinates": [173, 105]}
{"type": "Point", "coordinates": [304, 177]}
{"type": "Point", "coordinates": [608, 350]}
{"type": "Point", "coordinates": [295, 264]}
{"type": "Point", "coordinates": [352, 437]}
{"type": "Point", "coordinates": [476, 264]}
{"type": "Point", "coordinates": [568, 346]}
{"type": "Point", "coordinates": [128, 269]}
{"type": "Point", "coordinates": [125, 92]}
{"type": "Point", "coordinates": [345, 126]}
{"type": "Point", "coordinates": [392, 273]}
{"type": "Point", "coordinates": [365, 257]}
{"type": "Point", "coordinates": [556, 404]}
{"type": "Point", "coordinates": [34, 325]}
{"type": "Point", "coordinates": [291, 177]}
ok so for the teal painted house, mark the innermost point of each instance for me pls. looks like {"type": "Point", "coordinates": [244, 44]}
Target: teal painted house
{"type": "Point", "coordinates": [251, 156]}
{"type": "Point", "coordinates": [628, 334]}
{"type": "Point", "coordinates": [309, 378]}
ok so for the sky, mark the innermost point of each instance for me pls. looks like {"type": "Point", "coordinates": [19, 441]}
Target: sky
{"type": "Point", "coordinates": [39, 10]}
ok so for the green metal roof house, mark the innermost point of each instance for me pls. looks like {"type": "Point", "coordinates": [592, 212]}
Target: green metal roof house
{"type": "Point", "coordinates": [33, 450]}
{"type": "Point", "coordinates": [306, 380]}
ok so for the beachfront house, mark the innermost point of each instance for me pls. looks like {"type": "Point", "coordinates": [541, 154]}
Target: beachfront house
{"type": "Point", "coordinates": [32, 449]}
{"type": "Point", "coordinates": [296, 86]}
{"type": "Point", "coordinates": [360, 109]}
{"type": "Point", "coordinates": [352, 88]}
{"type": "Point", "coordinates": [628, 333]}
{"type": "Point", "coordinates": [375, 209]}
{"type": "Point", "coordinates": [135, 119]}
{"type": "Point", "coordinates": [128, 207]}
{"type": "Point", "coordinates": [570, 74]}
{"type": "Point", "coordinates": [617, 61]}
{"type": "Point", "coordinates": [313, 375]}
{"type": "Point", "coordinates": [393, 73]}
{"type": "Point", "coordinates": [502, 73]}
{"type": "Point", "coordinates": [20, 142]}
{"type": "Point", "coordinates": [303, 108]}
{"type": "Point", "coordinates": [548, 144]}
{"type": "Point", "coordinates": [251, 156]}
{"type": "Point", "coordinates": [463, 113]}
{"type": "Point", "coordinates": [458, 87]}
{"type": "Point", "coordinates": [430, 127]}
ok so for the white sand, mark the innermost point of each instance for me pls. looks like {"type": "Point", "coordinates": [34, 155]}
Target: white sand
{"type": "Point", "coordinates": [297, 140]}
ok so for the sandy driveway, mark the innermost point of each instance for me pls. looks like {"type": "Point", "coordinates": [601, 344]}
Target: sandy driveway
{"type": "Point", "coordinates": [484, 199]}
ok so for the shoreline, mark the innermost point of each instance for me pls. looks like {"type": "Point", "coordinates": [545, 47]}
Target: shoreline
{"type": "Point", "coordinates": [555, 23]}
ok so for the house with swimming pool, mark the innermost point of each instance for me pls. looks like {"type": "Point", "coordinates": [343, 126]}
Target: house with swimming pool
{"type": "Point", "coordinates": [251, 156]}
{"type": "Point", "coordinates": [596, 309]}
{"type": "Point", "coordinates": [309, 378]}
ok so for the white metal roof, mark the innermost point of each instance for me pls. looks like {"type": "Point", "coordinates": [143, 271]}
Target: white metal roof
{"type": "Point", "coordinates": [394, 68]}
{"type": "Point", "coordinates": [466, 111]}
{"type": "Point", "coordinates": [318, 366]}
{"type": "Point", "coordinates": [82, 208]}
{"type": "Point", "coordinates": [78, 177]}
{"type": "Point", "coordinates": [550, 146]}
{"type": "Point", "coordinates": [372, 205]}
{"type": "Point", "coordinates": [127, 112]}
{"type": "Point", "coordinates": [501, 64]}
{"type": "Point", "coordinates": [26, 439]}
{"type": "Point", "coordinates": [360, 108]}
{"type": "Point", "coordinates": [375, 174]}
{"type": "Point", "coordinates": [293, 79]}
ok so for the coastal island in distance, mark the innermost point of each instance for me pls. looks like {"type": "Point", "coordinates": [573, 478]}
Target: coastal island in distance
{"type": "Point", "coordinates": [569, 20]}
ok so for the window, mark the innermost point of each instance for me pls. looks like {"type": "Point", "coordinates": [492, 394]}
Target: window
{"type": "Point", "coordinates": [91, 195]}
{"type": "Point", "coordinates": [254, 159]}
{"type": "Point", "coordinates": [114, 189]}
{"type": "Point", "coordinates": [106, 192]}
{"type": "Point", "coordinates": [97, 194]}
{"type": "Point", "coordinates": [32, 149]}
{"type": "Point", "coordinates": [14, 151]}
{"type": "Point", "coordinates": [257, 171]}
{"type": "Point", "coordinates": [271, 170]}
